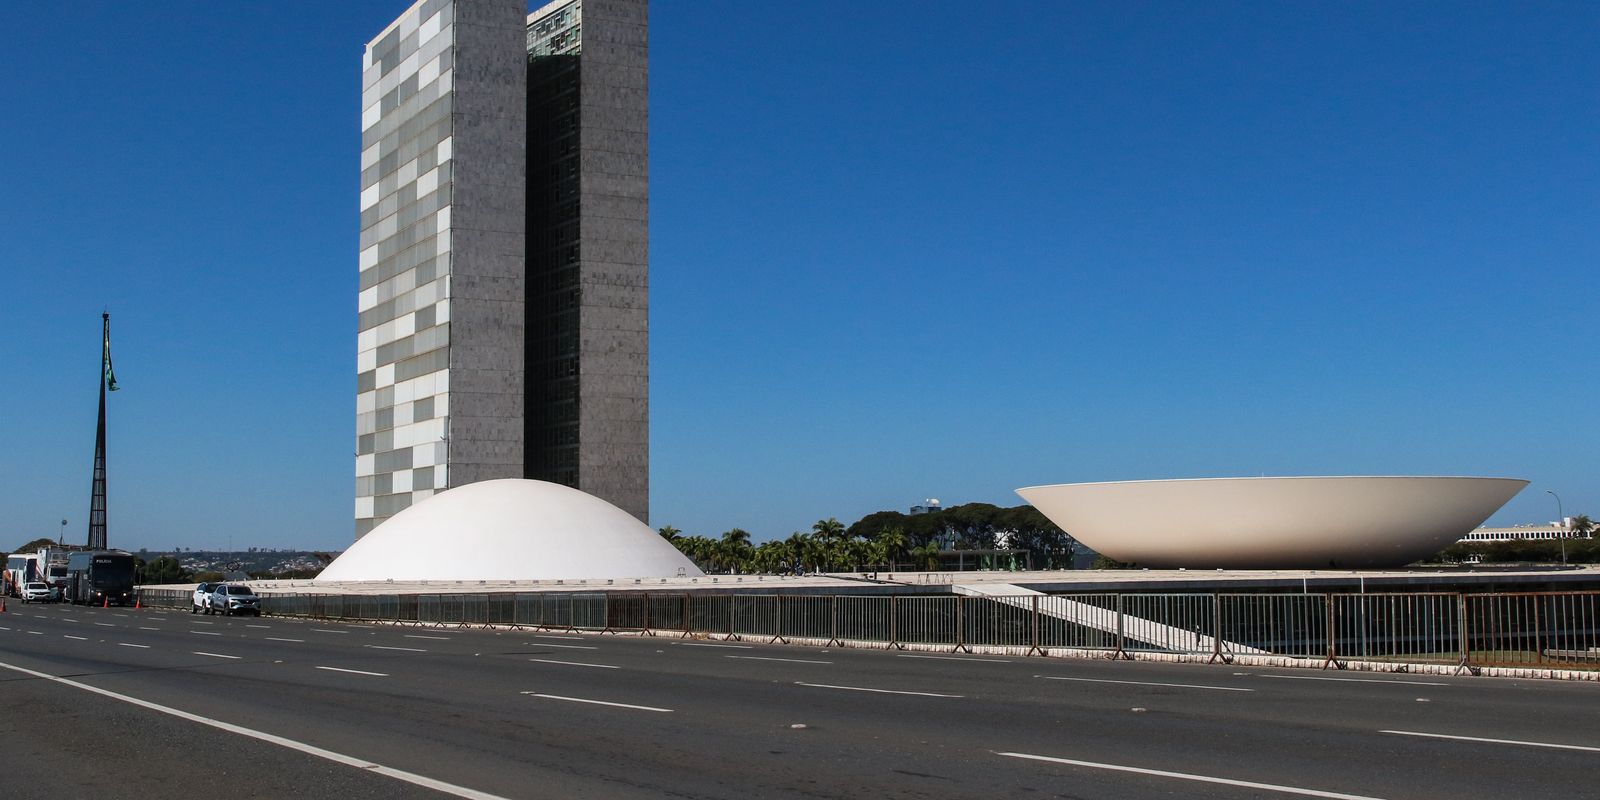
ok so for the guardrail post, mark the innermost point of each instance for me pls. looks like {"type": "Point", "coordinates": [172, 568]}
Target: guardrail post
{"type": "Point", "coordinates": [1122, 639]}
{"type": "Point", "coordinates": [1461, 635]}
{"type": "Point", "coordinates": [894, 623]}
{"type": "Point", "coordinates": [686, 625]}
{"type": "Point", "coordinates": [833, 622]}
{"type": "Point", "coordinates": [732, 611]}
{"type": "Point", "coordinates": [1332, 618]}
{"type": "Point", "coordinates": [647, 630]}
{"type": "Point", "coordinates": [777, 627]}
{"type": "Point", "coordinates": [1034, 632]}
{"type": "Point", "coordinates": [1538, 646]}
{"type": "Point", "coordinates": [961, 625]}
{"type": "Point", "coordinates": [1216, 631]}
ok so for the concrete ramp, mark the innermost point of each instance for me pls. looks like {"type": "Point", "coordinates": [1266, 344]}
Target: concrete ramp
{"type": "Point", "coordinates": [1136, 628]}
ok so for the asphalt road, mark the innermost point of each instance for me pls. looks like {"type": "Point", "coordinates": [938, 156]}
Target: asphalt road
{"type": "Point", "coordinates": [117, 703]}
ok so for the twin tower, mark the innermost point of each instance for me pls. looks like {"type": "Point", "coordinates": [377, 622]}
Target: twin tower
{"type": "Point", "coordinates": [504, 306]}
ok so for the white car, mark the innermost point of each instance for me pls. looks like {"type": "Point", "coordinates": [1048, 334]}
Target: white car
{"type": "Point", "coordinates": [40, 592]}
{"type": "Point", "coordinates": [202, 598]}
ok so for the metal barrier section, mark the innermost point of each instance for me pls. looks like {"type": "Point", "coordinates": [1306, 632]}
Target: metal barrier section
{"type": "Point", "coordinates": [1172, 623]}
{"type": "Point", "coordinates": [757, 616]}
{"type": "Point", "coordinates": [809, 617]}
{"type": "Point", "coordinates": [1415, 628]}
{"type": "Point", "coordinates": [863, 619]}
{"type": "Point", "coordinates": [1545, 629]}
{"type": "Point", "coordinates": [668, 612]}
{"type": "Point", "coordinates": [1530, 629]}
{"type": "Point", "coordinates": [1078, 621]}
{"type": "Point", "coordinates": [1293, 625]}
{"type": "Point", "coordinates": [998, 622]}
{"type": "Point", "coordinates": [926, 620]}
{"type": "Point", "coordinates": [709, 614]}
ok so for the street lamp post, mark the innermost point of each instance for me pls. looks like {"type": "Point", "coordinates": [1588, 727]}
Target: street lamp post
{"type": "Point", "coordinates": [1561, 519]}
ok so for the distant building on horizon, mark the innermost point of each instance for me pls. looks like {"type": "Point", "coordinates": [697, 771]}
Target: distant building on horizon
{"type": "Point", "coordinates": [1523, 533]}
{"type": "Point", "coordinates": [504, 252]}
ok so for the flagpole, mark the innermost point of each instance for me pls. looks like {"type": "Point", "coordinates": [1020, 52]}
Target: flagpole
{"type": "Point", "coordinates": [97, 493]}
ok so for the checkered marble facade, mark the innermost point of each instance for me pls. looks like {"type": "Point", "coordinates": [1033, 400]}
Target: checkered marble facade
{"type": "Point", "coordinates": [439, 365]}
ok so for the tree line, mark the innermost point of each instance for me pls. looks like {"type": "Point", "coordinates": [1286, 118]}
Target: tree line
{"type": "Point", "coordinates": [883, 540]}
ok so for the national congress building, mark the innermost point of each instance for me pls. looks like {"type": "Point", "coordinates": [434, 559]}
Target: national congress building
{"type": "Point", "coordinates": [504, 255]}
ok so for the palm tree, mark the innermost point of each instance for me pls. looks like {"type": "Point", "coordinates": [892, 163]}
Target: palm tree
{"type": "Point", "coordinates": [1582, 526]}
{"type": "Point", "coordinates": [800, 549]}
{"type": "Point", "coordinates": [735, 549]}
{"type": "Point", "coordinates": [669, 533]}
{"type": "Point", "coordinates": [893, 542]}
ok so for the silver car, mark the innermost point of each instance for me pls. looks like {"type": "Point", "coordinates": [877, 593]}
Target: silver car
{"type": "Point", "coordinates": [233, 598]}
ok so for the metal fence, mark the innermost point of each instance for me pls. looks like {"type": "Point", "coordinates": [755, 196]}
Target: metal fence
{"type": "Point", "coordinates": [1547, 629]}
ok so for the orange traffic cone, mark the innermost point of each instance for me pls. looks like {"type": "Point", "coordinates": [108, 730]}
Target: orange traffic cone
{"type": "Point", "coordinates": [2, 605]}
{"type": "Point", "coordinates": [136, 604]}
{"type": "Point", "coordinates": [106, 603]}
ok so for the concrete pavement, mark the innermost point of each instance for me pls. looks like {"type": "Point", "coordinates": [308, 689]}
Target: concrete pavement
{"type": "Point", "coordinates": [521, 714]}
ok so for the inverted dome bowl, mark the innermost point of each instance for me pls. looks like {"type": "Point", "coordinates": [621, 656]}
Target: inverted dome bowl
{"type": "Point", "coordinates": [1266, 523]}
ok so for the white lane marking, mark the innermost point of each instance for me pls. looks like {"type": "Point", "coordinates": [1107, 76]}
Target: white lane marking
{"type": "Point", "coordinates": [339, 758]}
{"type": "Point", "coordinates": [264, 627]}
{"type": "Point", "coordinates": [325, 630]}
{"type": "Point", "coordinates": [35, 633]}
{"type": "Point", "coordinates": [547, 636]}
{"type": "Point", "coordinates": [124, 616]}
{"type": "Point", "coordinates": [140, 646]}
{"type": "Point", "coordinates": [407, 649]}
{"type": "Point", "coordinates": [1584, 748]}
{"type": "Point", "coordinates": [206, 633]}
{"type": "Point", "coordinates": [571, 663]}
{"type": "Point", "coordinates": [356, 672]}
{"type": "Point", "coordinates": [143, 628]}
{"type": "Point", "coordinates": [280, 639]}
{"type": "Point", "coordinates": [79, 638]}
{"type": "Point", "coordinates": [790, 660]}
{"type": "Point", "coordinates": [215, 655]}
{"type": "Point", "coordinates": [1144, 683]}
{"type": "Point", "coordinates": [420, 636]}
{"type": "Point", "coordinates": [960, 658]}
{"type": "Point", "coordinates": [708, 644]}
{"type": "Point", "coordinates": [68, 619]}
{"type": "Point", "coordinates": [163, 619]}
{"type": "Point", "coordinates": [598, 702]}
{"type": "Point", "coordinates": [200, 622]}
{"type": "Point", "coordinates": [1351, 680]}
{"type": "Point", "coordinates": [564, 646]}
{"type": "Point", "coordinates": [1161, 773]}
{"type": "Point", "coordinates": [879, 691]}
{"type": "Point", "coordinates": [4, 628]}
{"type": "Point", "coordinates": [105, 625]}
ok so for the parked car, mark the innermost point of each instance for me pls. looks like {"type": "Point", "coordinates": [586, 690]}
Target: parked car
{"type": "Point", "coordinates": [202, 598]}
{"type": "Point", "coordinates": [40, 592]}
{"type": "Point", "coordinates": [233, 598]}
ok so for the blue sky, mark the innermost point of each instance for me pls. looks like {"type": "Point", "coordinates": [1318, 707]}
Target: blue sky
{"type": "Point", "coordinates": [899, 250]}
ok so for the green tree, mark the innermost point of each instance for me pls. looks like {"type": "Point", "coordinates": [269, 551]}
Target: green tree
{"type": "Point", "coordinates": [669, 533]}
{"type": "Point", "coordinates": [163, 570]}
{"type": "Point", "coordinates": [1582, 526]}
{"type": "Point", "coordinates": [36, 544]}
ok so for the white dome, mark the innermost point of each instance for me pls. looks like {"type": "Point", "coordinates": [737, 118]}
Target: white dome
{"type": "Point", "coordinates": [510, 529]}
{"type": "Point", "coordinates": [1268, 523]}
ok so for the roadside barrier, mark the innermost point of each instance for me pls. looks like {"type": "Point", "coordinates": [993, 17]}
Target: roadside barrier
{"type": "Point", "coordinates": [1547, 630]}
